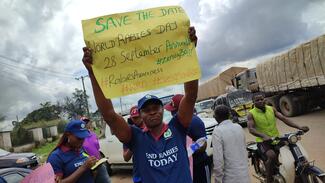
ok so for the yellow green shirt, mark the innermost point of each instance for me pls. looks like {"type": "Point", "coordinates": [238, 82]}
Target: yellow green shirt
{"type": "Point", "coordinates": [265, 122]}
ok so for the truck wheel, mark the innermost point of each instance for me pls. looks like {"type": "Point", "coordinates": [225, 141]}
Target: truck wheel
{"type": "Point", "coordinates": [288, 106]}
{"type": "Point", "coordinates": [274, 102]}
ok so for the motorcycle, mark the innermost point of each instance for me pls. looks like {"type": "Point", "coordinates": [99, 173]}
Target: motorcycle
{"type": "Point", "coordinates": [293, 163]}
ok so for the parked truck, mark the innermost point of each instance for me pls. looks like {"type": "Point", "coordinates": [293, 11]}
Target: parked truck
{"type": "Point", "coordinates": [219, 91]}
{"type": "Point", "coordinates": [217, 85]}
{"type": "Point", "coordinates": [293, 82]}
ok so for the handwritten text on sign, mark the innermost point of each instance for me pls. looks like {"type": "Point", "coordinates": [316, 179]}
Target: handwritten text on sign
{"type": "Point", "coordinates": [141, 50]}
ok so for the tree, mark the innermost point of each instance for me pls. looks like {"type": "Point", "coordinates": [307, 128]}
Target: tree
{"type": "Point", "coordinates": [47, 112]}
{"type": "Point", "coordinates": [77, 105]}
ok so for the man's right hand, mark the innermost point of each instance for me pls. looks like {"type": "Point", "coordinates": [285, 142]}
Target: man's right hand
{"type": "Point", "coordinates": [87, 59]}
{"type": "Point", "coordinates": [267, 138]}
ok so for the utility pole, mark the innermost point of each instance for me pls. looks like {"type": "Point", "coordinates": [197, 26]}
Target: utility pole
{"type": "Point", "coordinates": [84, 92]}
{"type": "Point", "coordinates": [121, 105]}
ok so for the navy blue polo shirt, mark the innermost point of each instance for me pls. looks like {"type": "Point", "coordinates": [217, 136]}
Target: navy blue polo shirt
{"type": "Point", "coordinates": [161, 159]}
{"type": "Point", "coordinates": [196, 131]}
{"type": "Point", "coordinates": [65, 161]}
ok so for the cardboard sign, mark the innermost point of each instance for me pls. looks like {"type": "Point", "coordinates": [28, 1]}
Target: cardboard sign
{"type": "Point", "coordinates": [43, 174]}
{"type": "Point", "coordinates": [141, 50]}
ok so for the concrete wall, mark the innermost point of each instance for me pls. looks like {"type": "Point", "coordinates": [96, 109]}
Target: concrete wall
{"type": "Point", "coordinates": [54, 131]}
{"type": "Point", "coordinates": [37, 134]}
{"type": "Point", "coordinates": [5, 140]}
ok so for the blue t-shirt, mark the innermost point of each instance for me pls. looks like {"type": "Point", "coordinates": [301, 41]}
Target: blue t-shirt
{"type": "Point", "coordinates": [196, 131]}
{"type": "Point", "coordinates": [164, 160]}
{"type": "Point", "coordinates": [67, 162]}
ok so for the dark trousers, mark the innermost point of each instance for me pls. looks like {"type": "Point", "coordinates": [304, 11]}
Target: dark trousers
{"type": "Point", "coordinates": [201, 172]}
{"type": "Point", "coordinates": [102, 175]}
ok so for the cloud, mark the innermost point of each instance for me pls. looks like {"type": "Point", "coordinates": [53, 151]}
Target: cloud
{"type": "Point", "coordinates": [32, 58]}
{"type": "Point", "coordinates": [42, 40]}
{"type": "Point", "coordinates": [237, 30]}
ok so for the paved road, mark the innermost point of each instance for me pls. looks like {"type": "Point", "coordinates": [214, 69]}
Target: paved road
{"type": "Point", "coordinates": [313, 142]}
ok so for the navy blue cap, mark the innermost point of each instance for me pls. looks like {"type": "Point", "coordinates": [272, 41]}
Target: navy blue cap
{"type": "Point", "coordinates": [148, 98]}
{"type": "Point", "coordinates": [77, 128]}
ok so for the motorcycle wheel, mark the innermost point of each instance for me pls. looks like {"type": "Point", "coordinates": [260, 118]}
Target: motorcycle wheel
{"type": "Point", "coordinates": [278, 179]}
{"type": "Point", "coordinates": [312, 178]}
{"type": "Point", "coordinates": [262, 168]}
{"type": "Point", "coordinates": [258, 167]}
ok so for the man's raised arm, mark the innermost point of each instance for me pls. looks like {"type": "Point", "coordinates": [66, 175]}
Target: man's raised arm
{"type": "Point", "coordinates": [186, 106]}
{"type": "Point", "coordinates": [105, 106]}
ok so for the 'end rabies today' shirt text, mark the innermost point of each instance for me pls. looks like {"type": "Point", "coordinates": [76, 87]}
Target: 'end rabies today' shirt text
{"type": "Point", "coordinates": [164, 160]}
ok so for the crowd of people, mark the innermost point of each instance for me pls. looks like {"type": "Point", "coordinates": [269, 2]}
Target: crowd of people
{"type": "Point", "coordinates": [159, 149]}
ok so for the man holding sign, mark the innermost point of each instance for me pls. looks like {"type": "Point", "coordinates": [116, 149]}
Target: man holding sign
{"type": "Point", "coordinates": [159, 149]}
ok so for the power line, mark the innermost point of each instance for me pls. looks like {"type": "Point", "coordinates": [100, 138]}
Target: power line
{"type": "Point", "coordinates": [32, 66]}
{"type": "Point", "coordinates": [16, 64]}
{"type": "Point", "coordinates": [16, 68]}
{"type": "Point", "coordinates": [19, 82]}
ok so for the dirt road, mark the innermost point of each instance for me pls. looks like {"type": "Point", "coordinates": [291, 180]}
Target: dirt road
{"type": "Point", "coordinates": [313, 142]}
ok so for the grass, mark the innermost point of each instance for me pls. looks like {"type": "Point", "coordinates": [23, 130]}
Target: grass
{"type": "Point", "coordinates": [44, 150]}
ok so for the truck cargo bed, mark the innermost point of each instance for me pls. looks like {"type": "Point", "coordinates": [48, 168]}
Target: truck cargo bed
{"type": "Point", "coordinates": [301, 67]}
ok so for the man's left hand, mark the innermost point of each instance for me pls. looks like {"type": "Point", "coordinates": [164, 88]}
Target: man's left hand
{"type": "Point", "coordinates": [192, 34]}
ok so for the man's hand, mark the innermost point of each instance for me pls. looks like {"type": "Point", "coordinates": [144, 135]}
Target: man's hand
{"type": "Point", "coordinates": [87, 59]}
{"type": "Point", "coordinates": [192, 34]}
{"type": "Point", "coordinates": [266, 138]}
{"type": "Point", "coordinates": [304, 128]}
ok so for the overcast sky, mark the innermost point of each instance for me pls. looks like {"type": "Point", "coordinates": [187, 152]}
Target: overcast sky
{"type": "Point", "coordinates": [40, 53]}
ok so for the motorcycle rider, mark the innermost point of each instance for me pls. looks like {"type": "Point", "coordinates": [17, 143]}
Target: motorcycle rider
{"type": "Point", "coordinates": [262, 124]}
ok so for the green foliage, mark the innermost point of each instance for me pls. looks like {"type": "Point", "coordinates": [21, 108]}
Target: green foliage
{"type": "Point", "coordinates": [42, 124]}
{"type": "Point", "coordinates": [44, 150]}
{"type": "Point", "coordinates": [47, 112]}
{"type": "Point", "coordinates": [77, 105]}
{"type": "Point", "coordinates": [61, 126]}
{"type": "Point", "coordinates": [20, 136]}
